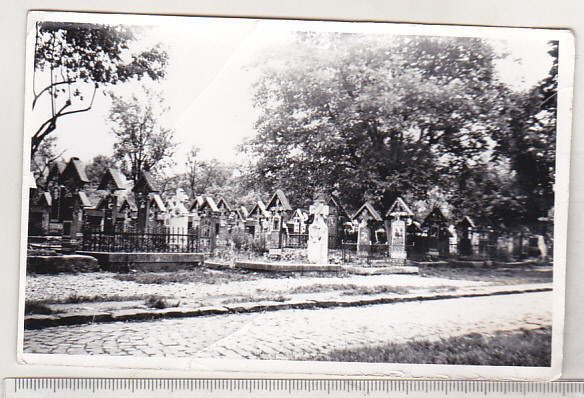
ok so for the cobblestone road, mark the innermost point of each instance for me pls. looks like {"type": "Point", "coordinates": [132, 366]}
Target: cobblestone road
{"type": "Point", "coordinates": [297, 334]}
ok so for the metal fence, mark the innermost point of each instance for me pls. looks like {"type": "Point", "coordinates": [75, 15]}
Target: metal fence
{"type": "Point", "coordinates": [369, 254]}
{"type": "Point", "coordinates": [381, 253]}
{"type": "Point", "coordinates": [297, 241]}
{"type": "Point", "coordinates": [154, 241]}
{"type": "Point", "coordinates": [169, 240]}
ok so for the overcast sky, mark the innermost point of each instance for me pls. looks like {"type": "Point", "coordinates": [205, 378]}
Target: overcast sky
{"type": "Point", "coordinates": [208, 88]}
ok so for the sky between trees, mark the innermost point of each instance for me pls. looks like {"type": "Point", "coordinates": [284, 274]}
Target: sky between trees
{"type": "Point", "coordinates": [210, 71]}
{"type": "Point", "coordinates": [447, 118]}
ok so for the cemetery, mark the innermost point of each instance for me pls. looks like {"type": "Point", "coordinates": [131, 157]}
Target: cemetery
{"type": "Point", "coordinates": [122, 253]}
{"type": "Point", "coordinates": [131, 226]}
{"type": "Point", "coordinates": [311, 195]}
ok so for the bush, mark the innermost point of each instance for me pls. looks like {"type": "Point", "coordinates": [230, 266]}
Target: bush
{"type": "Point", "coordinates": [241, 240]}
{"type": "Point", "coordinates": [158, 302]}
{"type": "Point", "coordinates": [36, 307]}
{"type": "Point", "coordinates": [294, 256]}
{"type": "Point", "coordinates": [258, 245]}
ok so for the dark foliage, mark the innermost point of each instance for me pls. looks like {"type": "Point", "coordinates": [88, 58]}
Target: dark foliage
{"type": "Point", "coordinates": [523, 348]}
{"type": "Point", "coordinates": [76, 59]}
{"type": "Point", "coordinates": [376, 117]}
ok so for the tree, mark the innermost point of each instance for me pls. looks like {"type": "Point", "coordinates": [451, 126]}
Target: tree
{"type": "Point", "coordinates": [214, 178]}
{"type": "Point", "coordinates": [373, 117]}
{"type": "Point", "coordinates": [97, 168]}
{"type": "Point", "coordinates": [211, 175]}
{"type": "Point", "coordinates": [527, 141]}
{"type": "Point", "coordinates": [142, 143]}
{"type": "Point", "coordinates": [192, 172]}
{"type": "Point", "coordinates": [73, 60]}
{"type": "Point", "coordinates": [43, 159]}
{"type": "Point", "coordinates": [167, 181]}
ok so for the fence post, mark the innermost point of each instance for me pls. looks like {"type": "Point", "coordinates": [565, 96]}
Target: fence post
{"type": "Point", "coordinates": [83, 233]}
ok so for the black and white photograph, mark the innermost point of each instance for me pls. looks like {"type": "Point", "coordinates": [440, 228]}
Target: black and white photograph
{"type": "Point", "coordinates": [307, 197]}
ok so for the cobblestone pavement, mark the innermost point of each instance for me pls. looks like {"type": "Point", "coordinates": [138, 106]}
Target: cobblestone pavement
{"type": "Point", "coordinates": [51, 287]}
{"type": "Point", "coordinates": [297, 334]}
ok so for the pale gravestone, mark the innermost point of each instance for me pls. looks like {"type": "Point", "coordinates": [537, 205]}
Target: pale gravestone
{"type": "Point", "coordinates": [399, 213]}
{"type": "Point", "coordinates": [398, 239]}
{"type": "Point", "coordinates": [543, 250]}
{"type": "Point", "coordinates": [318, 234]}
{"type": "Point", "coordinates": [363, 236]}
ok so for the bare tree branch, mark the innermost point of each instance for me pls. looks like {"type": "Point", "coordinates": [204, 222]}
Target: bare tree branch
{"type": "Point", "coordinates": [49, 87]}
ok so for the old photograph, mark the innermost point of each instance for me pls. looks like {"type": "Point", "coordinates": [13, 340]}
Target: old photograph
{"type": "Point", "coordinates": [301, 196]}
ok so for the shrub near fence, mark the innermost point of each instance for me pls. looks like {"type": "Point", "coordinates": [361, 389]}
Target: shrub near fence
{"type": "Point", "coordinates": [297, 241]}
{"type": "Point", "coordinates": [154, 241]}
{"type": "Point", "coordinates": [300, 241]}
{"type": "Point", "coordinates": [370, 254]}
{"type": "Point", "coordinates": [354, 253]}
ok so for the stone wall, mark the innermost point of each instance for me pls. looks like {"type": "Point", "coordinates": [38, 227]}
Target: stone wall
{"type": "Point", "coordinates": [61, 264]}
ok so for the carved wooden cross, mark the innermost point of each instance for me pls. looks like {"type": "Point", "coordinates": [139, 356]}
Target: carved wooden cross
{"type": "Point", "coordinates": [319, 209]}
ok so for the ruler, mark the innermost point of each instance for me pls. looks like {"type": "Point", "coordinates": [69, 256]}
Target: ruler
{"type": "Point", "coordinates": [147, 388]}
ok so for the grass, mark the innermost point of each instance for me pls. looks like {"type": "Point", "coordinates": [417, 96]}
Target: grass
{"type": "Point", "coordinates": [442, 289]}
{"type": "Point", "coordinates": [518, 275]}
{"type": "Point", "coordinates": [521, 348]}
{"type": "Point", "coordinates": [363, 290]}
{"type": "Point", "coordinates": [35, 307]}
{"type": "Point", "coordinates": [159, 302]}
{"type": "Point", "coordinates": [42, 306]}
{"type": "Point", "coordinates": [76, 299]}
{"type": "Point", "coordinates": [507, 276]}
{"type": "Point", "coordinates": [248, 299]}
{"type": "Point", "coordinates": [198, 275]}
{"type": "Point", "coordinates": [319, 288]}
{"type": "Point", "coordinates": [212, 277]}
{"type": "Point", "coordinates": [349, 289]}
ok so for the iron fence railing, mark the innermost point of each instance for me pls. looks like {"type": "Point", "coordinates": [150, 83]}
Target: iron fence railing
{"type": "Point", "coordinates": [157, 241]}
{"type": "Point", "coordinates": [169, 240]}
{"type": "Point", "coordinates": [353, 252]}
{"type": "Point", "coordinates": [297, 241]}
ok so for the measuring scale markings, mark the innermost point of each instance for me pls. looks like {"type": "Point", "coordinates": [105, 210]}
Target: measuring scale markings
{"type": "Point", "coordinates": [76, 387]}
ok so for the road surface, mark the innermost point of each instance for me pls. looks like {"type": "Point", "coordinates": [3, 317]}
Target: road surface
{"type": "Point", "coordinates": [297, 334]}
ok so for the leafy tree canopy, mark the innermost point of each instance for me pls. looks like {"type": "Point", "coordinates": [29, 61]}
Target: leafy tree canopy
{"type": "Point", "coordinates": [374, 117]}
{"type": "Point", "coordinates": [526, 136]}
{"type": "Point", "coordinates": [72, 60]}
{"type": "Point", "coordinates": [97, 168]}
{"type": "Point", "coordinates": [43, 160]}
{"type": "Point", "coordinates": [142, 142]}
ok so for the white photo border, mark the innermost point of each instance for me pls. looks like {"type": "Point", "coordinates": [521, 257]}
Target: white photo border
{"type": "Point", "coordinates": [235, 368]}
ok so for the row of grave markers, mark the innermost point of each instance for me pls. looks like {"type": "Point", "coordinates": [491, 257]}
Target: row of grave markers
{"type": "Point", "coordinates": [65, 208]}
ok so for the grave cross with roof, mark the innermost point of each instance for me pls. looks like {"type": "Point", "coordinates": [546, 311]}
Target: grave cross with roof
{"type": "Point", "coordinates": [399, 209]}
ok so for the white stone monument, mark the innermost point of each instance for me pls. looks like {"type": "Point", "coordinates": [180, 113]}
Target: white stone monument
{"type": "Point", "coordinates": [363, 235]}
{"type": "Point", "coordinates": [399, 213]}
{"type": "Point", "coordinates": [398, 239]}
{"type": "Point", "coordinates": [318, 234]}
{"type": "Point", "coordinates": [543, 250]}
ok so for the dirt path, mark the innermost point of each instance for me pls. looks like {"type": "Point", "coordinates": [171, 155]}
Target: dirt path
{"type": "Point", "coordinates": [60, 287]}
